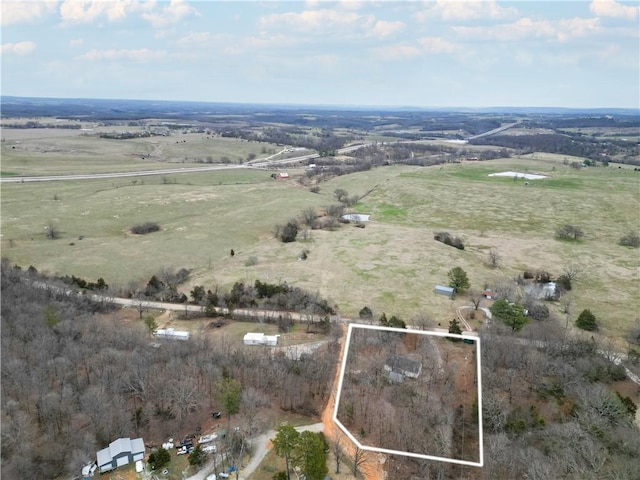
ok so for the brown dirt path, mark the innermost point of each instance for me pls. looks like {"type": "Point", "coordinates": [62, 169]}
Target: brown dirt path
{"type": "Point", "coordinates": [373, 467]}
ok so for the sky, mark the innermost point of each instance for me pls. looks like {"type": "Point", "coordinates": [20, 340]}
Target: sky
{"type": "Point", "coordinates": [436, 53]}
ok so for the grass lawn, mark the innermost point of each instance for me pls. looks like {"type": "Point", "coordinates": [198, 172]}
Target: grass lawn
{"type": "Point", "coordinates": [391, 266]}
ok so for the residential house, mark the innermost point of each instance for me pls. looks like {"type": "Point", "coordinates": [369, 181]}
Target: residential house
{"type": "Point", "coordinates": [401, 366]}
{"type": "Point", "coordinates": [120, 452]}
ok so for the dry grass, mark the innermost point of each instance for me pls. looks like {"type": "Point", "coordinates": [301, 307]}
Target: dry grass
{"type": "Point", "coordinates": [391, 265]}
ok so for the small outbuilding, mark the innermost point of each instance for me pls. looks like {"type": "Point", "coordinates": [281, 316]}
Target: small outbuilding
{"type": "Point", "coordinates": [356, 217]}
{"type": "Point", "coordinates": [252, 338]}
{"type": "Point", "coordinates": [446, 291]}
{"type": "Point", "coordinates": [120, 452]}
{"type": "Point", "coordinates": [172, 334]}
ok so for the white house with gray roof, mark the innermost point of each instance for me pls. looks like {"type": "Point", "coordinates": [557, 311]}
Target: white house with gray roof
{"type": "Point", "coordinates": [120, 452]}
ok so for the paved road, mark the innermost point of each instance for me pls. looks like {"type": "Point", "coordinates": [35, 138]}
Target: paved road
{"type": "Point", "coordinates": [139, 173]}
{"type": "Point", "coordinates": [266, 163]}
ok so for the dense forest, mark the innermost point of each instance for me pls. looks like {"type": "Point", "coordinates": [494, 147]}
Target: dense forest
{"type": "Point", "coordinates": [75, 376]}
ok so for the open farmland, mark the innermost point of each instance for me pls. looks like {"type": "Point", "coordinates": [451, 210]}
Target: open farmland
{"type": "Point", "coordinates": [48, 151]}
{"type": "Point", "coordinates": [391, 265]}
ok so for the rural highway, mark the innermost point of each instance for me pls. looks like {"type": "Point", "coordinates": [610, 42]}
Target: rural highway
{"type": "Point", "coordinates": [266, 163]}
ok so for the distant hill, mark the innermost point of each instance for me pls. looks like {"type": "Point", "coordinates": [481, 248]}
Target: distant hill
{"type": "Point", "coordinates": [122, 109]}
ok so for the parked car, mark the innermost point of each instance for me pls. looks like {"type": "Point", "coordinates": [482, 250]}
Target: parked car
{"type": "Point", "coordinates": [182, 451]}
{"type": "Point", "coordinates": [209, 449]}
{"type": "Point", "coordinates": [208, 438]}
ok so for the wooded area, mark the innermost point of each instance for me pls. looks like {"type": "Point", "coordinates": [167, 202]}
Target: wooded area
{"type": "Point", "coordinates": [75, 377]}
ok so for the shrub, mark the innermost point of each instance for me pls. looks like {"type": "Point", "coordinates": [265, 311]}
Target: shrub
{"type": "Point", "coordinates": [587, 321]}
{"type": "Point", "coordinates": [631, 239]}
{"type": "Point", "coordinates": [564, 282]}
{"type": "Point", "coordinates": [448, 239]}
{"type": "Point", "coordinates": [365, 313]}
{"type": "Point", "coordinates": [251, 261]}
{"type": "Point", "coordinates": [289, 232]}
{"type": "Point", "coordinates": [569, 232]}
{"type": "Point", "coordinates": [144, 228]}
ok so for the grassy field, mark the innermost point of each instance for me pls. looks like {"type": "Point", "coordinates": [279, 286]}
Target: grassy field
{"type": "Point", "coordinates": [391, 265]}
{"type": "Point", "coordinates": [62, 151]}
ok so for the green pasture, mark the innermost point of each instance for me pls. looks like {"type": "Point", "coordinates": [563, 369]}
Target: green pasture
{"type": "Point", "coordinates": [391, 266]}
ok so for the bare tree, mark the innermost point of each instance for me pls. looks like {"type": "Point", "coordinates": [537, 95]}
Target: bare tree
{"type": "Point", "coordinates": [52, 231]}
{"type": "Point", "coordinates": [336, 446]}
{"type": "Point", "coordinates": [572, 271]}
{"type": "Point", "coordinates": [359, 460]}
{"type": "Point", "coordinates": [309, 216]}
{"type": "Point", "coordinates": [494, 259]}
{"type": "Point", "coordinates": [423, 321]}
{"type": "Point", "coordinates": [476, 297]}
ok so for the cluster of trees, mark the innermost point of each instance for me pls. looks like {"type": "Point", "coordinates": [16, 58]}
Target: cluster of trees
{"type": "Point", "coordinates": [329, 218]}
{"type": "Point", "coordinates": [266, 296]}
{"type": "Point", "coordinates": [127, 135]}
{"type": "Point", "coordinates": [99, 285]}
{"type": "Point", "coordinates": [307, 451]}
{"type": "Point", "coordinates": [511, 314]}
{"type": "Point", "coordinates": [75, 377]}
{"type": "Point", "coordinates": [574, 145]}
{"type": "Point", "coordinates": [36, 124]}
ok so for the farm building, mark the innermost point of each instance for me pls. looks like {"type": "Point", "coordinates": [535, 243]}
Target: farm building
{"type": "Point", "coordinates": [260, 339]}
{"type": "Point", "coordinates": [120, 452]}
{"type": "Point", "coordinates": [171, 334]}
{"type": "Point", "coordinates": [356, 217]}
{"type": "Point", "coordinates": [401, 366]}
{"type": "Point", "coordinates": [446, 291]}
{"type": "Point", "coordinates": [283, 175]}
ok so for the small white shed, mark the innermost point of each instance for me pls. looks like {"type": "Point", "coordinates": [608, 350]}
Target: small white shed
{"type": "Point", "coordinates": [252, 338]}
{"type": "Point", "coordinates": [172, 334]}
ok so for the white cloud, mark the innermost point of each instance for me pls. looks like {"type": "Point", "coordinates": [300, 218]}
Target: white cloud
{"type": "Point", "coordinates": [465, 10]}
{"type": "Point", "coordinates": [611, 8]}
{"type": "Point", "coordinates": [352, 4]}
{"type": "Point", "coordinates": [20, 48]}
{"type": "Point", "coordinates": [76, 42]}
{"type": "Point", "coordinates": [170, 14]}
{"type": "Point", "coordinates": [159, 14]}
{"type": "Point", "coordinates": [139, 55]}
{"type": "Point", "coordinates": [236, 46]}
{"type": "Point", "coordinates": [14, 12]}
{"type": "Point", "coordinates": [195, 39]}
{"type": "Point", "coordinates": [315, 20]}
{"type": "Point", "coordinates": [424, 46]}
{"type": "Point", "coordinates": [81, 11]}
{"type": "Point", "coordinates": [396, 52]}
{"type": "Point", "coordinates": [437, 45]}
{"type": "Point", "coordinates": [384, 29]}
{"type": "Point", "coordinates": [577, 27]}
{"type": "Point", "coordinates": [526, 28]}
